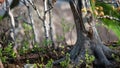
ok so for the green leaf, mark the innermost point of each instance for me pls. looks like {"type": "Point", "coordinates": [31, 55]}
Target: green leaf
{"type": "Point", "coordinates": [110, 24]}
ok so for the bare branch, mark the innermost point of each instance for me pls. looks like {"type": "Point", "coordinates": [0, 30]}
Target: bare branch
{"type": "Point", "coordinates": [50, 23]}
{"type": "Point", "coordinates": [11, 18]}
{"type": "Point", "coordinates": [48, 9]}
{"type": "Point", "coordinates": [44, 22]}
{"type": "Point", "coordinates": [31, 20]}
{"type": "Point", "coordinates": [35, 8]}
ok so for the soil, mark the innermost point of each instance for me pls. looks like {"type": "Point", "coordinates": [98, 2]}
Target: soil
{"type": "Point", "coordinates": [42, 57]}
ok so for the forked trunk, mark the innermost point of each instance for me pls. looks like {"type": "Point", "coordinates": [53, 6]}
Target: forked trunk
{"type": "Point", "coordinates": [85, 39]}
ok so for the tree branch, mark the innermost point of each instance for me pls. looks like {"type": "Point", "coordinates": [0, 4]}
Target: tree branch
{"type": "Point", "coordinates": [109, 17]}
{"type": "Point", "coordinates": [11, 18]}
{"type": "Point", "coordinates": [35, 8]}
{"type": "Point", "coordinates": [31, 20]}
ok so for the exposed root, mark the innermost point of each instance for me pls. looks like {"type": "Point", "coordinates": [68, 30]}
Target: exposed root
{"type": "Point", "coordinates": [58, 61]}
{"type": "Point", "coordinates": [102, 54]}
{"type": "Point", "coordinates": [100, 57]}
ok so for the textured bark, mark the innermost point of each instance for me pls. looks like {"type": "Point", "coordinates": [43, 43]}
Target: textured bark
{"type": "Point", "coordinates": [99, 50]}
{"type": "Point", "coordinates": [92, 42]}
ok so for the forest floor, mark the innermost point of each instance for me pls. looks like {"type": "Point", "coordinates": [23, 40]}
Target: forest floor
{"type": "Point", "coordinates": [45, 56]}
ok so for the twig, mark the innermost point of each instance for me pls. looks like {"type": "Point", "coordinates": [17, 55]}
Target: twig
{"type": "Point", "coordinates": [109, 2]}
{"type": "Point", "coordinates": [13, 26]}
{"type": "Point", "coordinates": [48, 9]}
{"type": "Point", "coordinates": [31, 20]}
{"type": "Point", "coordinates": [35, 8]}
{"type": "Point", "coordinates": [44, 17]}
{"type": "Point", "coordinates": [50, 23]}
{"type": "Point", "coordinates": [109, 17]}
{"type": "Point", "coordinates": [44, 21]}
{"type": "Point", "coordinates": [11, 18]}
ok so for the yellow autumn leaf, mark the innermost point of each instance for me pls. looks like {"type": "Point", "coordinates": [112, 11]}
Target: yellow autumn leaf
{"type": "Point", "coordinates": [113, 7]}
{"type": "Point", "coordinates": [84, 10]}
{"type": "Point", "coordinates": [100, 8]}
{"type": "Point", "coordinates": [96, 12]}
{"type": "Point", "coordinates": [101, 13]}
{"type": "Point", "coordinates": [93, 0]}
{"type": "Point", "coordinates": [97, 8]}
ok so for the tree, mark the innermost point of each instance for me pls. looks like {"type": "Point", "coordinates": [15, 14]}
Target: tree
{"type": "Point", "coordinates": [87, 35]}
{"type": "Point", "coordinates": [88, 39]}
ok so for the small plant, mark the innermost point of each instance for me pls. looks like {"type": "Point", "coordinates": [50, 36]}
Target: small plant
{"type": "Point", "coordinates": [3, 59]}
{"type": "Point", "coordinates": [37, 48]}
{"type": "Point", "coordinates": [60, 38]}
{"type": "Point", "coordinates": [65, 26]}
{"type": "Point", "coordinates": [117, 58]}
{"type": "Point", "coordinates": [49, 64]}
{"type": "Point", "coordinates": [66, 62]}
{"type": "Point", "coordinates": [89, 59]}
{"type": "Point", "coordinates": [0, 52]}
{"type": "Point", "coordinates": [46, 42]}
{"type": "Point", "coordinates": [118, 42]}
{"type": "Point", "coordinates": [8, 48]}
{"type": "Point", "coordinates": [8, 51]}
{"type": "Point", "coordinates": [25, 47]}
{"type": "Point", "coordinates": [27, 27]}
{"type": "Point", "coordinates": [35, 66]}
{"type": "Point", "coordinates": [1, 17]}
{"type": "Point", "coordinates": [27, 61]}
{"type": "Point", "coordinates": [40, 65]}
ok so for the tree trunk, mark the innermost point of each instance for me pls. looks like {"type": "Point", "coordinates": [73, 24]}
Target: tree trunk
{"type": "Point", "coordinates": [87, 37]}
{"type": "Point", "coordinates": [84, 39]}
